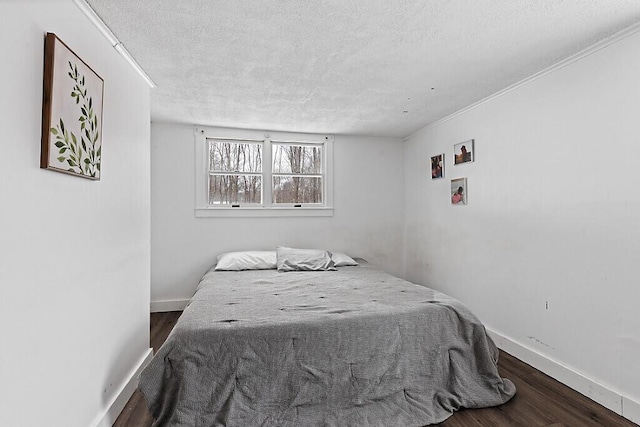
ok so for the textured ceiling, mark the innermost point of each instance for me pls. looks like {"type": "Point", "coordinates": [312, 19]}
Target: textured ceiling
{"type": "Point", "coordinates": [367, 67]}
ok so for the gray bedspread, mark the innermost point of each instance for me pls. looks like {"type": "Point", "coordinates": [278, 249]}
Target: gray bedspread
{"type": "Point", "coordinates": [353, 347]}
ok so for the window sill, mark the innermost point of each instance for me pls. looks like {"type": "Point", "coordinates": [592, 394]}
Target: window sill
{"type": "Point", "coordinates": [260, 212]}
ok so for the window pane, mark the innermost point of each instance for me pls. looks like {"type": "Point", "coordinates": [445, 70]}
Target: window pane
{"type": "Point", "coordinates": [227, 156]}
{"type": "Point", "coordinates": [235, 189]}
{"type": "Point", "coordinates": [297, 159]}
{"type": "Point", "coordinates": [293, 189]}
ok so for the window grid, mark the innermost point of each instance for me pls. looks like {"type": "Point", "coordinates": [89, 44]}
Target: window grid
{"type": "Point", "coordinates": [264, 180]}
{"type": "Point", "coordinates": [297, 176]}
{"type": "Point", "coordinates": [235, 172]}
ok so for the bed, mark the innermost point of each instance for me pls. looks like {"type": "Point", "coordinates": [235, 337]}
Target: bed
{"type": "Point", "coordinates": [350, 347]}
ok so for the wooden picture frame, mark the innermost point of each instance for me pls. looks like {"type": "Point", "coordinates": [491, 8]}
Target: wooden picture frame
{"type": "Point", "coordinates": [71, 113]}
{"type": "Point", "coordinates": [437, 166]}
{"type": "Point", "coordinates": [459, 191]}
{"type": "Point", "coordinates": [463, 152]}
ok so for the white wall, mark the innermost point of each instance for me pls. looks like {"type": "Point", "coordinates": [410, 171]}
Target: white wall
{"type": "Point", "coordinates": [552, 216]}
{"type": "Point", "coordinates": [368, 219]}
{"type": "Point", "coordinates": [74, 272]}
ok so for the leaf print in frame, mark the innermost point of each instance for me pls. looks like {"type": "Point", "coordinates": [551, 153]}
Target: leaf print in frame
{"type": "Point", "coordinates": [71, 113]}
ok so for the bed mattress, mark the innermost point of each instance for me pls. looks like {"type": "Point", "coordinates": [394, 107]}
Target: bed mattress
{"type": "Point", "coordinates": [353, 347]}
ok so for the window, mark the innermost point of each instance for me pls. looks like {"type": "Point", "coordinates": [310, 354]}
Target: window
{"type": "Point", "coordinates": [253, 173]}
{"type": "Point", "coordinates": [297, 173]}
{"type": "Point", "coordinates": [235, 172]}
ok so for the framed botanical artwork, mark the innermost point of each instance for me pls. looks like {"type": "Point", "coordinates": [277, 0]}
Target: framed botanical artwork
{"type": "Point", "coordinates": [437, 166]}
{"type": "Point", "coordinates": [71, 113]}
{"type": "Point", "coordinates": [463, 152]}
{"type": "Point", "coordinates": [459, 191]}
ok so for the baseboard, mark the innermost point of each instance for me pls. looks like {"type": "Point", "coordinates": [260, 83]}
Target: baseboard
{"type": "Point", "coordinates": [597, 392]}
{"type": "Point", "coordinates": [631, 409]}
{"type": "Point", "coordinates": [117, 404]}
{"type": "Point", "coordinates": [172, 305]}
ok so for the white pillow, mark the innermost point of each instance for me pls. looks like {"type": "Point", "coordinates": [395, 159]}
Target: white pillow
{"type": "Point", "coordinates": [340, 259]}
{"type": "Point", "coordinates": [247, 260]}
{"type": "Point", "coordinates": [290, 259]}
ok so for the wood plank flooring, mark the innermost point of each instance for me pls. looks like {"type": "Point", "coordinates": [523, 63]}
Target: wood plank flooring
{"type": "Point", "coordinates": [540, 400]}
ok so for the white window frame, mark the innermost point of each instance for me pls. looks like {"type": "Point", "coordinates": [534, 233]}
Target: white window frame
{"type": "Point", "coordinates": [267, 209]}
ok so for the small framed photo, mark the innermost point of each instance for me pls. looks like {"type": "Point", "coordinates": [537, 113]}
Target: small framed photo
{"type": "Point", "coordinates": [459, 191]}
{"type": "Point", "coordinates": [463, 152]}
{"type": "Point", "coordinates": [437, 166]}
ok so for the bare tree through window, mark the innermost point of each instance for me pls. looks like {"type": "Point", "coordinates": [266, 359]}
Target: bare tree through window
{"type": "Point", "coordinates": [235, 172]}
{"type": "Point", "coordinates": [297, 173]}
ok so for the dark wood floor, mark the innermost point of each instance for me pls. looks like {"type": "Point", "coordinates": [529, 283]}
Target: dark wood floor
{"type": "Point", "coordinates": [539, 401]}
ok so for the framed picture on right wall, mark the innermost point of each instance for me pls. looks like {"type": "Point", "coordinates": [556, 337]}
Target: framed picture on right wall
{"type": "Point", "coordinates": [437, 166]}
{"type": "Point", "coordinates": [459, 191]}
{"type": "Point", "coordinates": [463, 152]}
